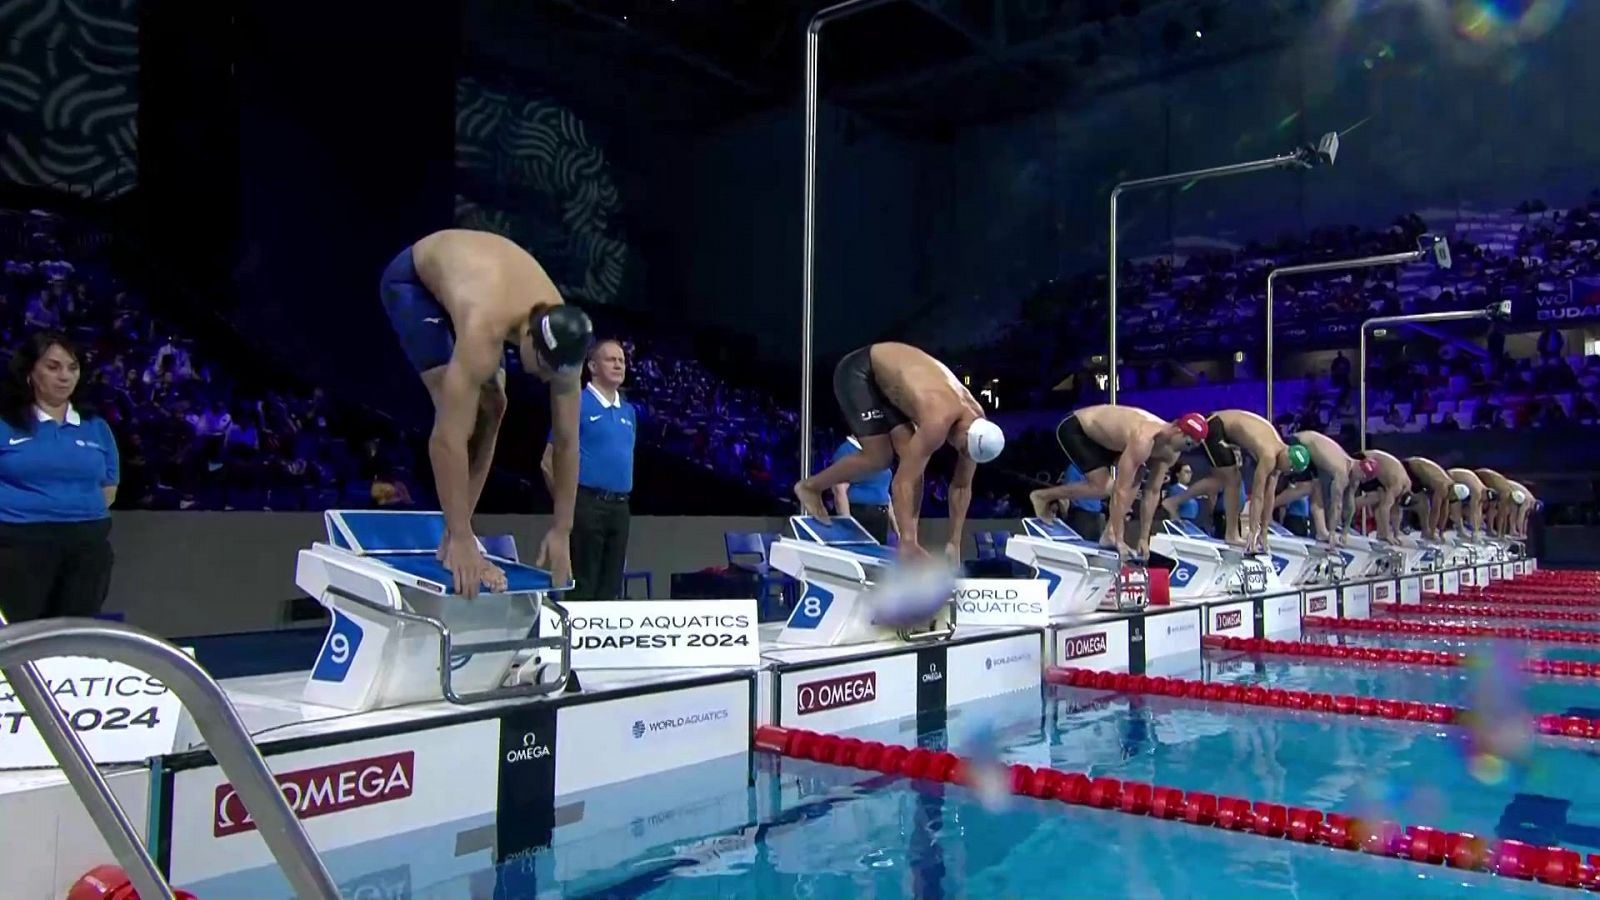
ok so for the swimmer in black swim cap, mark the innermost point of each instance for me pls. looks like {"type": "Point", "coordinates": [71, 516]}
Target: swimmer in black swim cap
{"type": "Point", "coordinates": [455, 299]}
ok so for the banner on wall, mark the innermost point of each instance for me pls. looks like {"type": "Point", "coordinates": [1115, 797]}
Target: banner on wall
{"type": "Point", "coordinates": [1581, 303]}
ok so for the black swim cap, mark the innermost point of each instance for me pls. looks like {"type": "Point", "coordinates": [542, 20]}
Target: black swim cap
{"type": "Point", "coordinates": [563, 336]}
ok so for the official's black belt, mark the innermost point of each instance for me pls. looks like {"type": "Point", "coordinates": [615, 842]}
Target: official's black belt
{"type": "Point", "coordinates": [604, 496]}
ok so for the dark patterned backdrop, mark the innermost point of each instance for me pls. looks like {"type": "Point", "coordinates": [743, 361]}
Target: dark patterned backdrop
{"type": "Point", "coordinates": [69, 94]}
{"type": "Point", "coordinates": [526, 169]}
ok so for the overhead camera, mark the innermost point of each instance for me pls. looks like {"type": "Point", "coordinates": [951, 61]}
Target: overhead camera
{"type": "Point", "coordinates": [1322, 153]}
{"type": "Point", "coordinates": [1499, 311]}
{"type": "Point", "coordinates": [1439, 247]}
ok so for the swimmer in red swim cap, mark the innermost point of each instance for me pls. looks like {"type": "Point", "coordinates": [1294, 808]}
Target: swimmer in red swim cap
{"type": "Point", "coordinates": [1110, 444]}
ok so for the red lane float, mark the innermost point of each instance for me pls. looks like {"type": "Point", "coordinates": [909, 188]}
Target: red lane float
{"type": "Point", "coordinates": [1255, 695]}
{"type": "Point", "coordinates": [1415, 843]}
{"type": "Point", "coordinates": [1559, 600]}
{"type": "Point", "coordinates": [1473, 611]}
{"type": "Point", "coordinates": [1278, 698]}
{"type": "Point", "coordinates": [1333, 651]}
{"type": "Point", "coordinates": [1445, 629]}
{"type": "Point", "coordinates": [1339, 654]}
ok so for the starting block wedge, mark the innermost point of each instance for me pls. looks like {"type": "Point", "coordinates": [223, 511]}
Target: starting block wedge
{"type": "Point", "coordinates": [400, 636]}
{"type": "Point", "coordinates": [1305, 561]}
{"type": "Point", "coordinates": [837, 564]}
{"type": "Point", "coordinates": [1208, 568]}
{"type": "Point", "coordinates": [1081, 576]}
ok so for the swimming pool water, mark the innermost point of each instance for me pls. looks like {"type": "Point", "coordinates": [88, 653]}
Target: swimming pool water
{"type": "Point", "coordinates": [805, 830]}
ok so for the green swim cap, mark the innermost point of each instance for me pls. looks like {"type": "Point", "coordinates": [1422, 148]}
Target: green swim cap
{"type": "Point", "coordinates": [1299, 457]}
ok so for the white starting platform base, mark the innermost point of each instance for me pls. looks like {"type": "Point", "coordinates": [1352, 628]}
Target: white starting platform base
{"type": "Point", "coordinates": [1080, 576]}
{"type": "Point", "coordinates": [1368, 557]}
{"type": "Point", "coordinates": [1207, 569]}
{"type": "Point", "coordinates": [837, 564]}
{"type": "Point", "coordinates": [398, 634]}
{"type": "Point", "coordinates": [833, 689]}
{"type": "Point", "coordinates": [1300, 561]}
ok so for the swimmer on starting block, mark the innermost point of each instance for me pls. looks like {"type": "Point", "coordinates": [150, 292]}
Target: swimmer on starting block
{"type": "Point", "coordinates": [1384, 492]}
{"type": "Point", "coordinates": [1468, 510]}
{"type": "Point", "coordinates": [1496, 501]}
{"type": "Point", "coordinates": [456, 298]}
{"type": "Point", "coordinates": [1521, 509]}
{"type": "Point", "coordinates": [1328, 482]}
{"type": "Point", "coordinates": [900, 402]}
{"type": "Point", "coordinates": [1095, 439]}
{"type": "Point", "coordinates": [1238, 441]}
{"type": "Point", "coordinates": [1429, 495]}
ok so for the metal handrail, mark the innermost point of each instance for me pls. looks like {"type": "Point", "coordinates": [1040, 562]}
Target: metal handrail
{"type": "Point", "coordinates": [214, 716]}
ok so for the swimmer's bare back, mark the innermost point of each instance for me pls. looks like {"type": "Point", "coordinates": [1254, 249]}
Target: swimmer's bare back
{"type": "Point", "coordinates": [1250, 433]}
{"type": "Point", "coordinates": [919, 385]}
{"type": "Point", "coordinates": [1118, 427]}
{"type": "Point", "coordinates": [484, 281]}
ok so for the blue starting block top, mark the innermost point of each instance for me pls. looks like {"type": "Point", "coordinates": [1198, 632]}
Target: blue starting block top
{"type": "Point", "coordinates": [843, 533]}
{"type": "Point", "coordinates": [408, 541]}
{"type": "Point", "coordinates": [1060, 532]}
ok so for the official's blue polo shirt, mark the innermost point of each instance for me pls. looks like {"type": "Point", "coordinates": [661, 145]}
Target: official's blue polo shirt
{"type": "Point", "coordinates": [1300, 506]}
{"type": "Point", "coordinates": [606, 433]}
{"type": "Point", "coordinates": [1188, 509]}
{"type": "Point", "coordinates": [56, 473]}
{"type": "Point", "coordinates": [870, 491]}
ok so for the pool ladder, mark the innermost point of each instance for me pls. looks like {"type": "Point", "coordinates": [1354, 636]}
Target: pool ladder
{"type": "Point", "coordinates": [214, 716]}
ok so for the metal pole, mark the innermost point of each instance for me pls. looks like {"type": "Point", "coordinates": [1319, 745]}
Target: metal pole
{"type": "Point", "coordinates": [213, 714]}
{"type": "Point", "coordinates": [1365, 262]}
{"type": "Point", "coordinates": [809, 225]}
{"type": "Point", "coordinates": [1361, 348]}
{"type": "Point", "coordinates": [1277, 162]}
{"type": "Point", "coordinates": [86, 781]}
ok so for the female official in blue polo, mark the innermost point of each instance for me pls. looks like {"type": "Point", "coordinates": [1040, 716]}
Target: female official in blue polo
{"type": "Point", "coordinates": [58, 476]}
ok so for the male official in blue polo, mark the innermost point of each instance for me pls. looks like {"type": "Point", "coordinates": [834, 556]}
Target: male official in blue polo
{"type": "Point", "coordinates": [607, 426]}
{"type": "Point", "coordinates": [867, 498]}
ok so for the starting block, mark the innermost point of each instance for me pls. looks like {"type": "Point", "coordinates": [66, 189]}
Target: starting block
{"type": "Point", "coordinates": [1368, 557]}
{"type": "Point", "coordinates": [1082, 576]}
{"type": "Point", "coordinates": [836, 565]}
{"type": "Point", "coordinates": [1208, 568]}
{"type": "Point", "coordinates": [400, 636]}
{"type": "Point", "coordinates": [1417, 556]}
{"type": "Point", "coordinates": [1306, 562]}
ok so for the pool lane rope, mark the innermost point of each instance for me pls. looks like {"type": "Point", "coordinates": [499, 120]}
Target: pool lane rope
{"type": "Point", "coordinates": [1450, 629]}
{"type": "Point", "coordinates": [1416, 843]}
{"type": "Point", "coordinates": [1343, 654]}
{"type": "Point", "coordinates": [1563, 599]}
{"type": "Point", "coordinates": [1281, 698]}
{"type": "Point", "coordinates": [1479, 611]}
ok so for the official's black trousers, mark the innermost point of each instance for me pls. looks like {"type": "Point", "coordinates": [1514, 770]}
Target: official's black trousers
{"type": "Point", "coordinates": [1088, 524]}
{"type": "Point", "coordinates": [599, 544]}
{"type": "Point", "coordinates": [1300, 525]}
{"type": "Point", "coordinates": [54, 569]}
{"type": "Point", "coordinates": [875, 519]}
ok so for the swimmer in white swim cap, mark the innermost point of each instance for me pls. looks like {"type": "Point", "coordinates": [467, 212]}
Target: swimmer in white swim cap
{"type": "Point", "coordinates": [900, 402]}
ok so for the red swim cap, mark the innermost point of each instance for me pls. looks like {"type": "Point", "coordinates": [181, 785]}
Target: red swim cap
{"type": "Point", "coordinates": [1369, 468]}
{"type": "Point", "coordinates": [1194, 425]}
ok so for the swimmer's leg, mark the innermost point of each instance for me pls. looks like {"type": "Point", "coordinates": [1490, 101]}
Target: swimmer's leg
{"type": "Point", "coordinates": [1095, 485]}
{"type": "Point", "coordinates": [877, 453]}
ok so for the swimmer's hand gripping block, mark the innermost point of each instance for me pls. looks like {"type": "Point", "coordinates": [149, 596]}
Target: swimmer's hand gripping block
{"type": "Point", "coordinates": [399, 636]}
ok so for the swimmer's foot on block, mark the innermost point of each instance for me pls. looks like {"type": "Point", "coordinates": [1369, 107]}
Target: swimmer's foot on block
{"type": "Point", "coordinates": [1041, 507]}
{"type": "Point", "coordinates": [811, 502]}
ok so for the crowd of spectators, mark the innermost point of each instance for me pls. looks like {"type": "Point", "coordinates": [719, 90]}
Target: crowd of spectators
{"type": "Point", "coordinates": [196, 435]}
{"type": "Point", "coordinates": [191, 435]}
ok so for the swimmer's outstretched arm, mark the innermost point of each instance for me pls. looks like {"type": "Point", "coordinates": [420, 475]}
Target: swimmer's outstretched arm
{"type": "Point", "coordinates": [960, 499]}
{"type": "Point", "coordinates": [1122, 490]}
{"type": "Point", "coordinates": [565, 401]}
{"type": "Point", "coordinates": [905, 491]}
{"type": "Point", "coordinates": [455, 403]}
{"type": "Point", "coordinates": [1153, 481]}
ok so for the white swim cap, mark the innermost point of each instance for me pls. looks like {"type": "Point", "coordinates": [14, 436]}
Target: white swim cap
{"type": "Point", "coordinates": [985, 440]}
{"type": "Point", "coordinates": [1460, 491]}
{"type": "Point", "coordinates": [1518, 497]}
